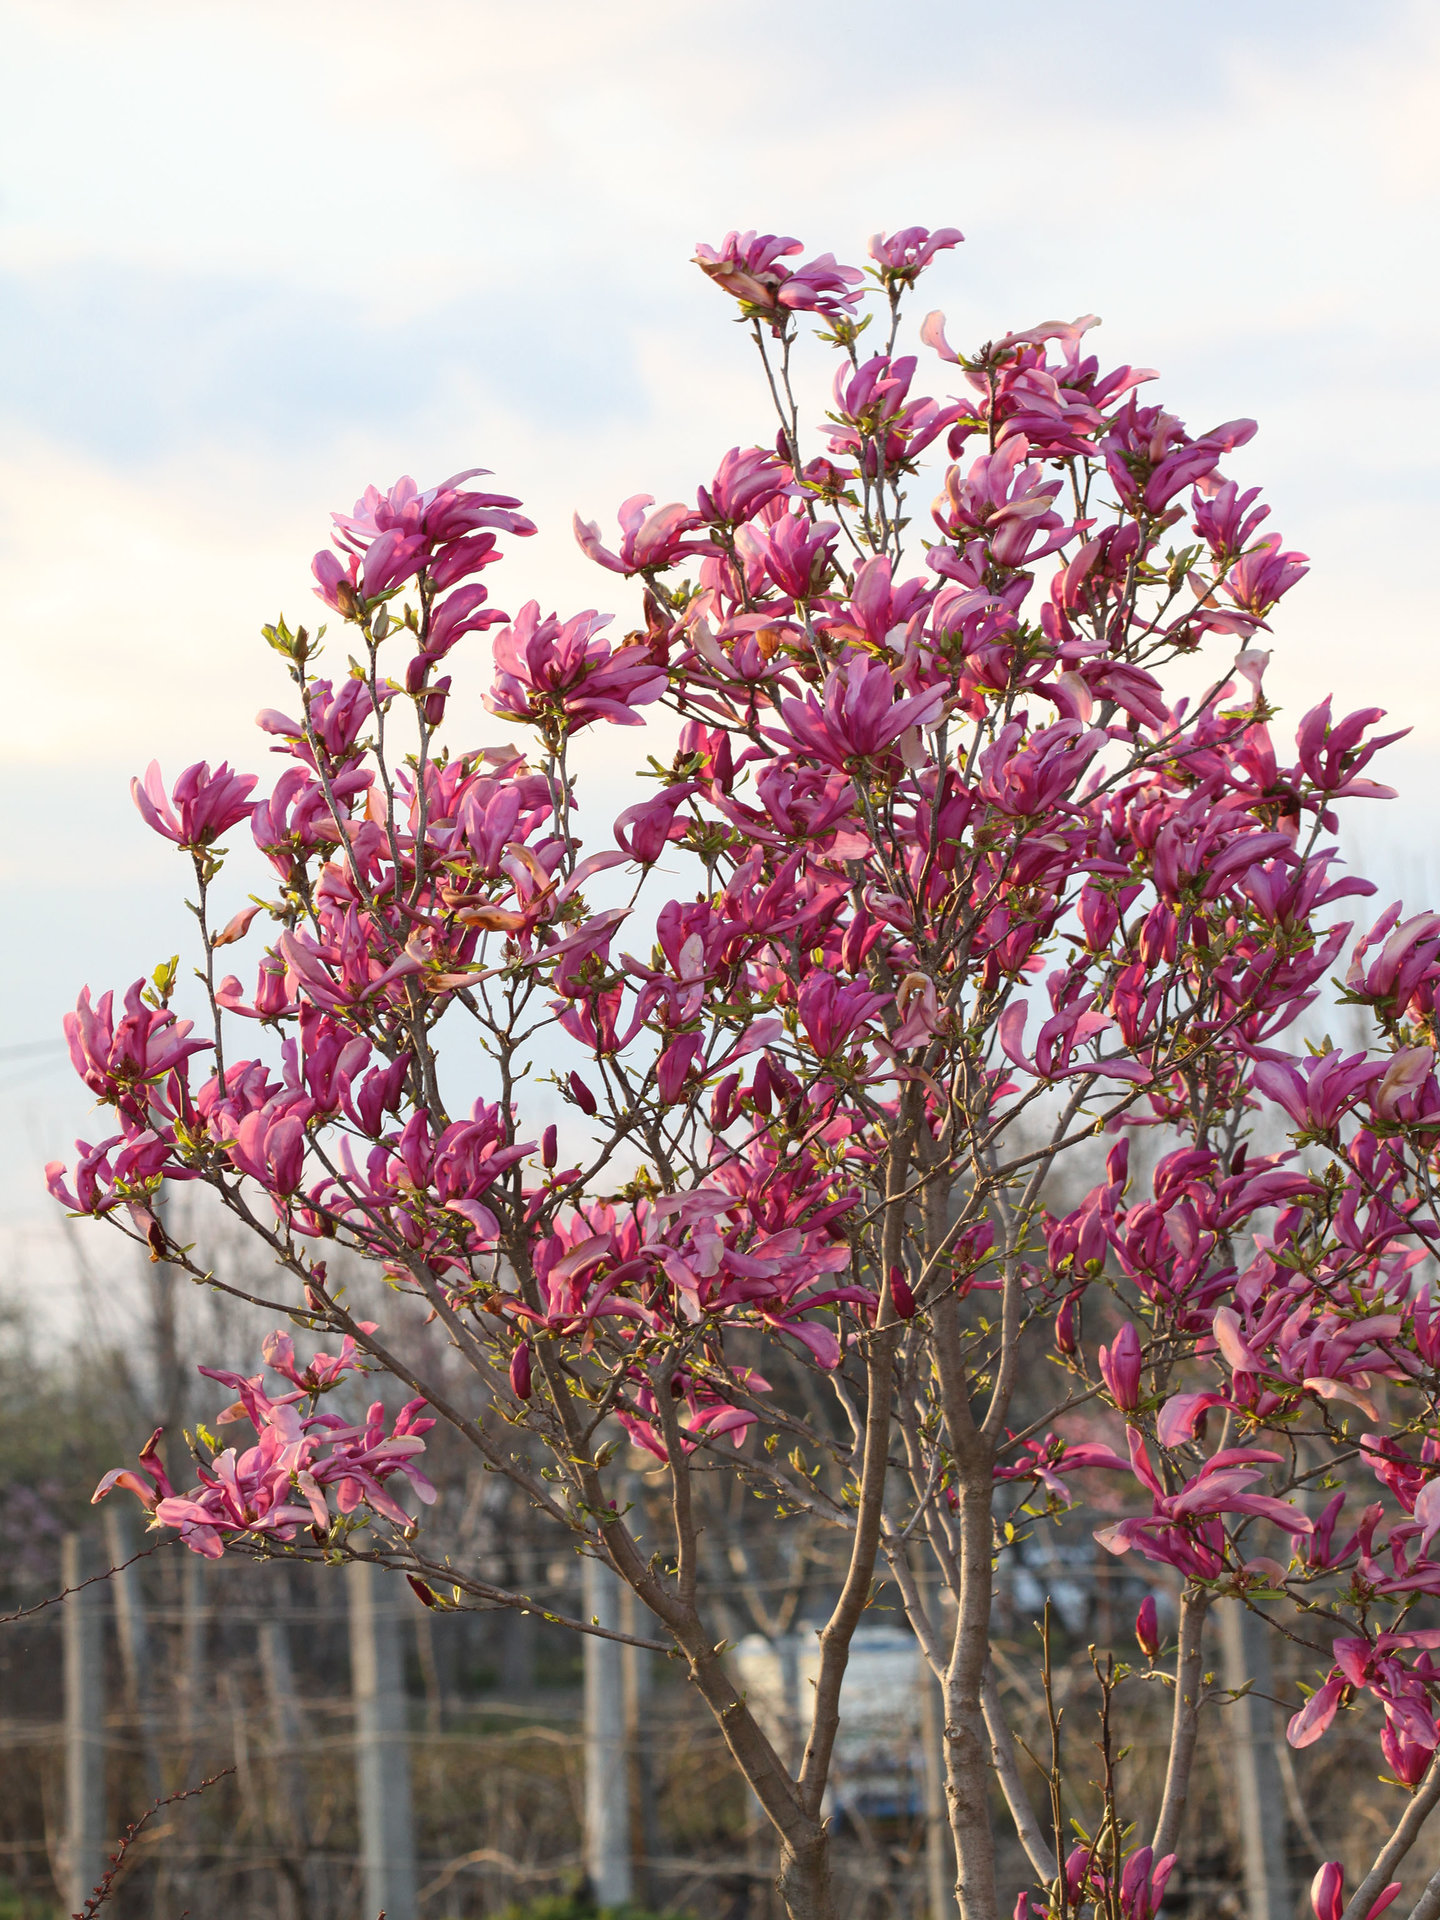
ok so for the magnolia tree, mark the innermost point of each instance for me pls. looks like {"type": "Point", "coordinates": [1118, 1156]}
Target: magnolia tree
{"type": "Point", "coordinates": [949, 882]}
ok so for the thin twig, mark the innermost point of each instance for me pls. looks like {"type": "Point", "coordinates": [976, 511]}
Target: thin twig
{"type": "Point", "coordinates": [54, 1599]}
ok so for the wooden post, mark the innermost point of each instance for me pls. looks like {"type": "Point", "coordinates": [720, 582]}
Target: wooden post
{"type": "Point", "coordinates": [1254, 1764]}
{"type": "Point", "coordinates": [607, 1771]}
{"type": "Point", "coordinates": [382, 1742]}
{"type": "Point", "coordinates": [84, 1856]}
{"type": "Point", "coordinates": [194, 1635]}
{"type": "Point", "coordinates": [297, 1889]}
{"type": "Point", "coordinates": [132, 1630]}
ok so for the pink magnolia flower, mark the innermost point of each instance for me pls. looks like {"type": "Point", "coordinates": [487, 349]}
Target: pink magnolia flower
{"type": "Point", "coordinates": [451, 618]}
{"type": "Point", "coordinates": [647, 828]}
{"type": "Point", "coordinates": [860, 717]}
{"type": "Point", "coordinates": [1184, 1529]}
{"type": "Point", "coordinates": [154, 1487]}
{"type": "Point", "coordinates": [876, 422]}
{"type": "Point", "coordinates": [336, 719]}
{"type": "Point", "coordinates": [270, 1147]}
{"type": "Point", "coordinates": [1008, 504]}
{"type": "Point", "coordinates": [205, 804]}
{"type": "Point", "coordinates": [904, 255]}
{"type": "Point", "coordinates": [1030, 775]}
{"type": "Point", "coordinates": [796, 552]}
{"type": "Point", "coordinates": [1317, 1093]}
{"type": "Point", "coordinates": [1331, 756]}
{"type": "Point", "coordinates": [564, 672]}
{"type": "Point", "coordinates": [1327, 1894]}
{"type": "Point", "coordinates": [751, 267]}
{"type": "Point", "coordinates": [834, 1014]}
{"type": "Point", "coordinates": [1409, 951]}
{"type": "Point", "coordinates": [116, 1059]}
{"type": "Point", "coordinates": [1409, 1758]}
{"type": "Point", "coordinates": [323, 1371]}
{"type": "Point", "coordinates": [1051, 1457]}
{"type": "Point", "coordinates": [1259, 578]}
{"type": "Point", "coordinates": [1177, 1419]}
{"type": "Point", "coordinates": [651, 542]}
{"type": "Point", "coordinates": [1120, 1365]}
{"type": "Point", "coordinates": [1143, 1882]}
{"type": "Point", "coordinates": [1225, 518]}
{"type": "Point", "coordinates": [391, 537]}
{"type": "Point", "coordinates": [439, 514]}
{"type": "Point", "coordinates": [254, 1492]}
{"type": "Point", "coordinates": [745, 481]}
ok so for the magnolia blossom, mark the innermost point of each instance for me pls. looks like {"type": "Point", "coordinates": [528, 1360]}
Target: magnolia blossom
{"type": "Point", "coordinates": [692, 1132]}
{"type": "Point", "coordinates": [298, 1465]}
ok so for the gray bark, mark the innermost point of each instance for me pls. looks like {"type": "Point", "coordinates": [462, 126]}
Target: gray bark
{"type": "Point", "coordinates": [939, 1848]}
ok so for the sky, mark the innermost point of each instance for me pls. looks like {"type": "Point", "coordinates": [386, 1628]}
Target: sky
{"type": "Point", "coordinates": [254, 256]}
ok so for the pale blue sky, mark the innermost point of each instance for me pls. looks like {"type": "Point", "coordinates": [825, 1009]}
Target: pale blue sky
{"type": "Point", "coordinates": [255, 255]}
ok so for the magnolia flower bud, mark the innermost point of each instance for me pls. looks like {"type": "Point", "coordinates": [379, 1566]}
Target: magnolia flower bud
{"type": "Point", "coordinates": [583, 1097]}
{"type": "Point", "coordinates": [1147, 1627]}
{"type": "Point", "coordinates": [901, 1297]}
{"type": "Point", "coordinates": [520, 1378]}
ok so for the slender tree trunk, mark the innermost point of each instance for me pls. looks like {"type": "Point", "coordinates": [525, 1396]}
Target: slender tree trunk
{"type": "Point", "coordinates": [939, 1851]}
{"type": "Point", "coordinates": [967, 1744]}
{"type": "Point", "coordinates": [1185, 1728]}
{"type": "Point", "coordinates": [804, 1879]}
{"type": "Point", "coordinates": [967, 1757]}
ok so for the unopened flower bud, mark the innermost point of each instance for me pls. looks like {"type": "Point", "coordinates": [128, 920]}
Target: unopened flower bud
{"type": "Point", "coordinates": [1147, 1627]}
{"type": "Point", "coordinates": [901, 1297]}
{"type": "Point", "coordinates": [433, 705]}
{"type": "Point", "coordinates": [583, 1097]}
{"type": "Point", "coordinates": [1065, 1334]}
{"type": "Point", "coordinates": [520, 1371]}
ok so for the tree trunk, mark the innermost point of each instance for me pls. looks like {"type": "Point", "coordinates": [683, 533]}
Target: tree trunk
{"type": "Point", "coordinates": [967, 1750]}
{"type": "Point", "coordinates": [804, 1880]}
{"type": "Point", "coordinates": [939, 1852]}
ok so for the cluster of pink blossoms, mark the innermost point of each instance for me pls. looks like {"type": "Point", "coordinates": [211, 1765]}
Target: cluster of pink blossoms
{"type": "Point", "coordinates": [300, 1463]}
{"type": "Point", "coordinates": [961, 860]}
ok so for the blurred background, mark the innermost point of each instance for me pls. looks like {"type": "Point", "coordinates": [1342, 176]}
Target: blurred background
{"type": "Point", "coordinates": [254, 256]}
